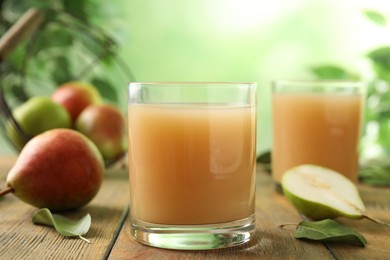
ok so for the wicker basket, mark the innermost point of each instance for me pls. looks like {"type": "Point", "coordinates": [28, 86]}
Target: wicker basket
{"type": "Point", "coordinates": [24, 30]}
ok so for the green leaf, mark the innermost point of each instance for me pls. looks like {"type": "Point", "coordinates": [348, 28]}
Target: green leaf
{"type": "Point", "coordinates": [328, 230]}
{"type": "Point", "coordinates": [265, 160]}
{"type": "Point", "coordinates": [331, 72]}
{"type": "Point", "coordinates": [384, 133]}
{"type": "Point", "coordinates": [54, 35]}
{"type": "Point", "coordinates": [64, 226]}
{"type": "Point", "coordinates": [381, 61]}
{"type": "Point", "coordinates": [106, 89]}
{"type": "Point", "coordinates": [376, 172]}
{"type": "Point", "coordinates": [61, 72]}
{"type": "Point", "coordinates": [376, 17]}
{"type": "Point", "coordinates": [76, 7]}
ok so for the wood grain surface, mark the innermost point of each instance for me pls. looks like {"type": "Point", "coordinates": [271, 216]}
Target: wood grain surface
{"type": "Point", "coordinates": [111, 239]}
{"type": "Point", "coordinates": [21, 239]}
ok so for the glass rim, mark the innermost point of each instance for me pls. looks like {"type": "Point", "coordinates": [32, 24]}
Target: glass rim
{"type": "Point", "coordinates": [198, 83]}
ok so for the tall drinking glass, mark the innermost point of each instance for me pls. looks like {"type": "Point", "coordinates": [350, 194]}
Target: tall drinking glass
{"type": "Point", "coordinates": [192, 160]}
{"type": "Point", "coordinates": [317, 122]}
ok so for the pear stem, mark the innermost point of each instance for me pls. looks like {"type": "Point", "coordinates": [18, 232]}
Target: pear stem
{"type": "Point", "coordinates": [287, 224]}
{"type": "Point", "coordinates": [376, 220]}
{"type": "Point", "coordinates": [6, 191]}
{"type": "Point", "coordinates": [84, 239]}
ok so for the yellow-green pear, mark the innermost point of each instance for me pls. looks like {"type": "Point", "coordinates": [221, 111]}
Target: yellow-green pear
{"type": "Point", "coordinates": [39, 114]}
{"type": "Point", "coordinates": [321, 193]}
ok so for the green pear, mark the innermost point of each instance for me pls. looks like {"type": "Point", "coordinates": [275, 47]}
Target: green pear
{"type": "Point", "coordinates": [60, 170]}
{"type": "Point", "coordinates": [106, 126]}
{"type": "Point", "coordinates": [39, 114]}
{"type": "Point", "coordinates": [321, 193]}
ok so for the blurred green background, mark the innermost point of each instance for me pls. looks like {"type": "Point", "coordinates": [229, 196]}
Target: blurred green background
{"type": "Point", "coordinates": [228, 40]}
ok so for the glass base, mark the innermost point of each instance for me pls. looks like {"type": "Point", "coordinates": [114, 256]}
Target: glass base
{"type": "Point", "coordinates": [194, 237]}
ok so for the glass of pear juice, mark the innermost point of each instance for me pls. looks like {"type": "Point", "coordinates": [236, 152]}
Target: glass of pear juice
{"type": "Point", "coordinates": [192, 164]}
{"type": "Point", "coordinates": [316, 122]}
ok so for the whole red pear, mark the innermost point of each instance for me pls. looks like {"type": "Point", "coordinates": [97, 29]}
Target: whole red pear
{"type": "Point", "coordinates": [75, 96]}
{"type": "Point", "coordinates": [106, 126]}
{"type": "Point", "coordinates": [60, 169]}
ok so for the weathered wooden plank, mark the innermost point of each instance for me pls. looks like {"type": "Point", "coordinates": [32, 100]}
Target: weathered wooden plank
{"type": "Point", "coordinates": [21, 239]}
{"type": "Point", "coordinates": [377, 201]}
{"type": "Point", "coordinates": [269, 242]}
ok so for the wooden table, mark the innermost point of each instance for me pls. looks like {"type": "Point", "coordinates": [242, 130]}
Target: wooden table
{"type": "Point", "coordinates": [110, 229]}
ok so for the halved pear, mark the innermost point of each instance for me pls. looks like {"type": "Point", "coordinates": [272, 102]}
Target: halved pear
{"type": "Point", "coordinates": [321, 193]}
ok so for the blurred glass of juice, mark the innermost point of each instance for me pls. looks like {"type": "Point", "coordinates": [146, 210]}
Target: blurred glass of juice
{"type": "Point", "coordinates": [317, 122]}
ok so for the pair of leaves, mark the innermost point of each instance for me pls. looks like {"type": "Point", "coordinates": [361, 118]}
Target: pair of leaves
{"type": "Point", "coordinates": [62, 225]}
{"type": "Point", "coordinates": [328, 230]}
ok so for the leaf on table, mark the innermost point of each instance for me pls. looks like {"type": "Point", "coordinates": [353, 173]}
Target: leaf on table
{"type": "Point", "coordinates": [64, 226]}
{"type": "Point", "coordinates": [328, 230]}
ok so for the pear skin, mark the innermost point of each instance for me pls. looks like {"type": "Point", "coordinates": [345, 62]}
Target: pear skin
{"type": "Point", "coordinates": [74, 96]}
{"type": "Point", "coordinates": [39, 114]}
{"type": "Point", "coordinates": [60, 169]}
{"type": "Point", "coordinates": [106, 126]}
